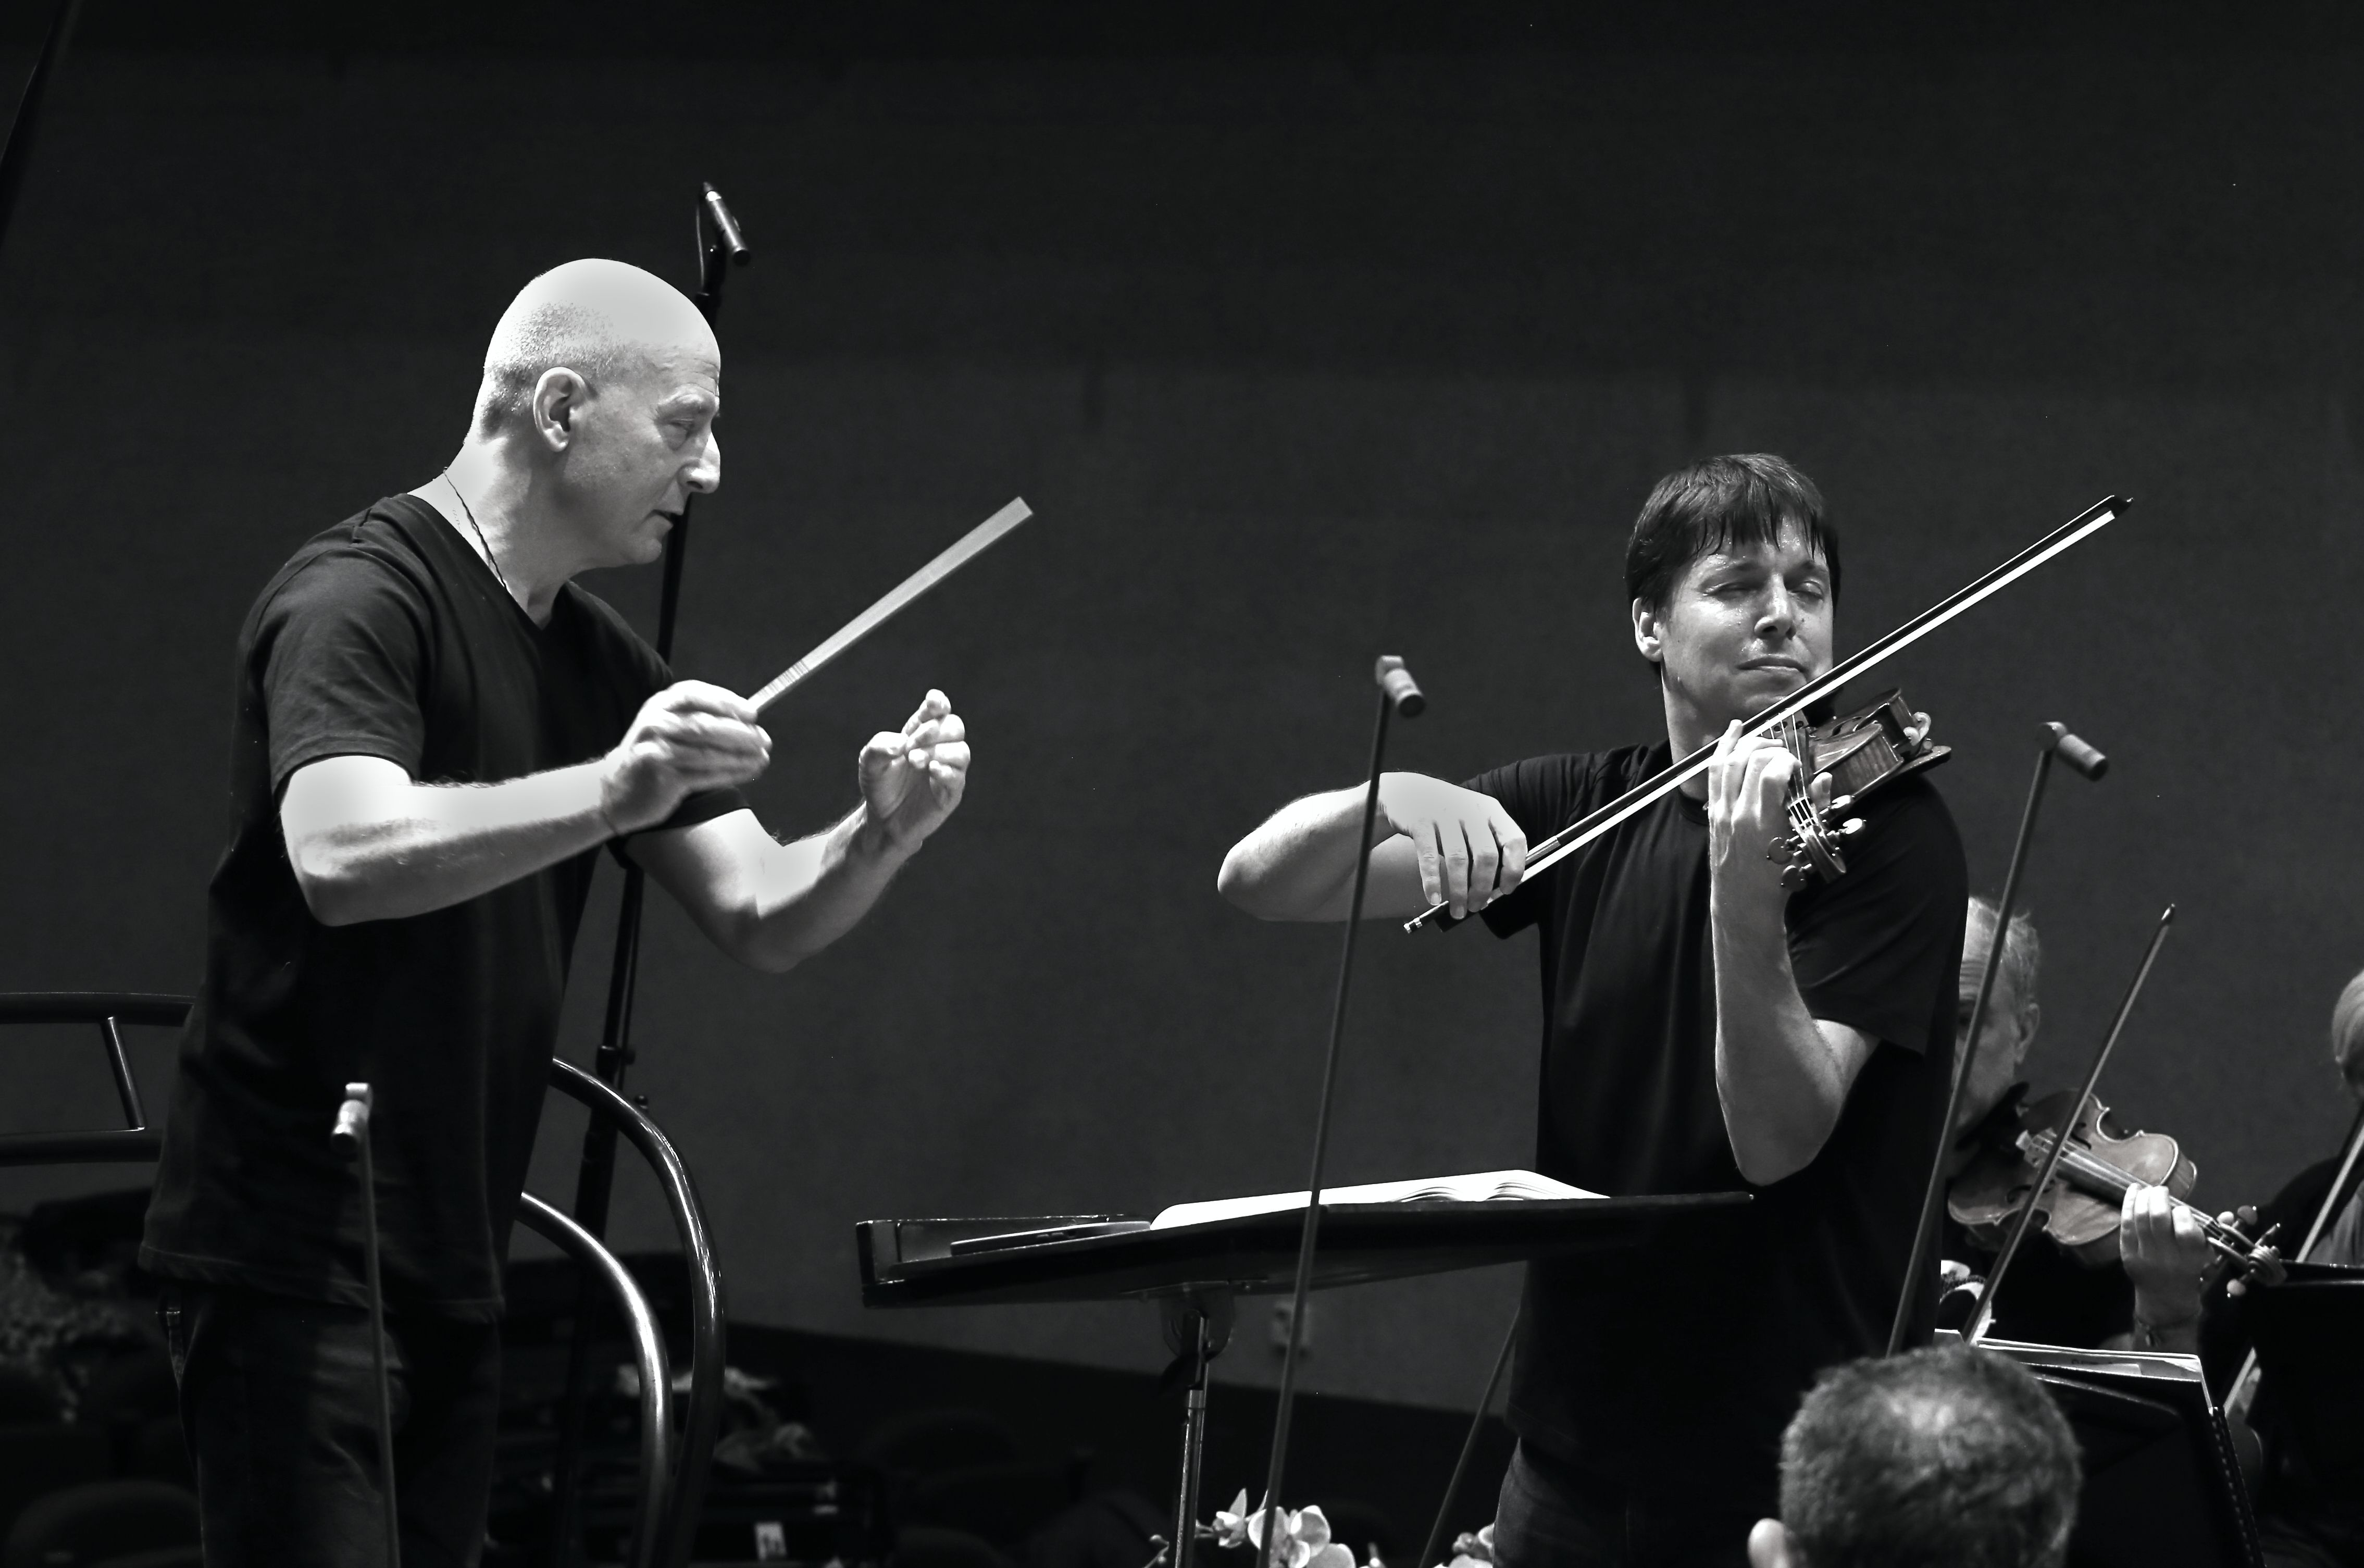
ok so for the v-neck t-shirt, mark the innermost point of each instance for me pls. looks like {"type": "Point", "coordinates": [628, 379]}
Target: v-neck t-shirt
{"type": "Point", "coordinates": [1677, 1365]}
{"type": "Point", "coordinates": [386, 636]}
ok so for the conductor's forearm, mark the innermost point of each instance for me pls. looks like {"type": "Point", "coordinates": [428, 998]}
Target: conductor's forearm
{"type": "Point", "coordinates": [817, 889]}
{"type": "Point", "coordinates": [428, 847]}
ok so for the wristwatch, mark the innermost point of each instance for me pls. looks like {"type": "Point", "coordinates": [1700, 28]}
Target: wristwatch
{"type": "Point", "coordinates": [2148, 1336]}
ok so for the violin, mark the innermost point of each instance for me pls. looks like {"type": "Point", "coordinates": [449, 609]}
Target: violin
{"type": "Point", "coordinates": [2082, 1206]}
{"type": "Point", "coordinates": [1859, 753]}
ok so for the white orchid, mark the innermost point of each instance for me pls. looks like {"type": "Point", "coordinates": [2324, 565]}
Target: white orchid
{"type": "Point", "coordinates": [1473, 1549]}
{"type": "Point", "coordinates": [1304, 1534]}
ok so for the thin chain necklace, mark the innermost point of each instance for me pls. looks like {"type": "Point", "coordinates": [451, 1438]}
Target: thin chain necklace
{"type": "Point", "coordinates": [490, 559]}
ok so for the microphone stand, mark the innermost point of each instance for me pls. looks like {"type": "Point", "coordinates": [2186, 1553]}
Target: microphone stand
{"type": "Point", "coordinates": [1397, 694]}
{"type": "Point", "coordinates": [353, 1134]}
{"type": "Point", "coordinates": [720, 247]}
{"type": "Point", "coordinates": [2087, 764]}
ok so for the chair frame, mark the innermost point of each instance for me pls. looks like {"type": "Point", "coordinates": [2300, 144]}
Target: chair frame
{"type": "Point", "coordinates": [672, 1489]}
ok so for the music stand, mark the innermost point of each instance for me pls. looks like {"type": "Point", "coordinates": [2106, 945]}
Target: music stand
{"type": "Point", "coordinates": [2310, 1339]}
{"type": "Point", "coordinates": [2162, 1487]}
{"type": "Point", "coordinates": [1196, 1272]}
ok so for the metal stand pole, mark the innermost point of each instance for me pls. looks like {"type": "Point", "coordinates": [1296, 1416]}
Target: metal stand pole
{"type": "Point", "coordinates": [2088, 763]}
{"type": "Point", "coordinates": [1396, 692]}
{"type": "Point", "coordinates": [352, 1132]}
{"type": "Point", "coordinates": [1428, 1555]}
{"type": "Point", "coordinates": [720, 246]}
{"type": "Point", "coordinates": [1201, 1320]}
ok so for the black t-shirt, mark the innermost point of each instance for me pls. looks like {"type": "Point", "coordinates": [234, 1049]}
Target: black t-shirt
{"type": "Point", "coordinates": [2052, 1296]}
{"type": "Point", "coordinates": [1680, 1365]}
{"type": "Point", "coordinates": [386, 637]}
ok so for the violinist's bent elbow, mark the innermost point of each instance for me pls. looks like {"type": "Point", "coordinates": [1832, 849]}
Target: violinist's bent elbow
{"type": "Point", "coordinates": [1762, 1168]}
{"type": "Point", "coordinates": [1240, 885]}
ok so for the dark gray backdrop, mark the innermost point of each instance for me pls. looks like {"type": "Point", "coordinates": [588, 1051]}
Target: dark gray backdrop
{"type": "Point", "coordinates": [1299, 359]}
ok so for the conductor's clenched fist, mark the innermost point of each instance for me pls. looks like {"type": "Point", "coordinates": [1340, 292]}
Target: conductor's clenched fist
{"type": "Point", "coordinates": [687, 737]}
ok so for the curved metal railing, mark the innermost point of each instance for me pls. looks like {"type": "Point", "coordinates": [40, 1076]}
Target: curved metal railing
{"type": "Point", "coordinates": [702, 1411]}
{"type": "Point", "coordinates": [671, 1490]}
{"type": "Point", "coordinates": [648, 1350]}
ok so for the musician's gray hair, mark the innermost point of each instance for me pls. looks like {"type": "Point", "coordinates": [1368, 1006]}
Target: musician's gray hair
{"type": "Point", "coordinates": [1942, 1458]}
{"type": "Point", "coordinates": [2348, 1031]}
{"type": "Point", "coordinates": [2023, 953]}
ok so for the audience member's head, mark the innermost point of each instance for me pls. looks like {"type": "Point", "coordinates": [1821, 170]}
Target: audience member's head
{"type": "Point", "coordinates": [1940, 1459]}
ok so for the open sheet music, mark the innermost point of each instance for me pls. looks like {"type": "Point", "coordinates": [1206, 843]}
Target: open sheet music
{"type": "Point", "coordinates": [1484, 1187]}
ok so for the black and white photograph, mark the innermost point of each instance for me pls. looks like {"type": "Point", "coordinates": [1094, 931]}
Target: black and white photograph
{"type": "Point", "coordinates": [1482, 785]}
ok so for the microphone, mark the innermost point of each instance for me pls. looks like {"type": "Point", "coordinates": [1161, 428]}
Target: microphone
{"type": "Point", "coordinates": [353, 1118]}
{"type": "Point", "coordinates": [1403, 692]}
{"type": "Point", "coordinates": [2089, 762]}
{"type": "Point", "coordinates": [725, 228]}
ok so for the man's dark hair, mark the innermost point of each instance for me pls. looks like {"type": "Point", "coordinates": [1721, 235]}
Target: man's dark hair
{"type": "Point", "coordinates": [1941, 1459]}
{"type": "Point", "coordinates": [1744, 500]}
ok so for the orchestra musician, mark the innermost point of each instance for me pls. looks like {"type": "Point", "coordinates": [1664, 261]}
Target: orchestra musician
{"type": "Point", "coordinates": [2310, 1508]}
{"type": "Point", "coordinates": [2147, 1292]}
{"type": "Point", "coordinates": [1705, 1029]}
{"type": "Point", "coordinates": [435, 729]}
{"type": "Point", "coordinates": [2295, 1207]}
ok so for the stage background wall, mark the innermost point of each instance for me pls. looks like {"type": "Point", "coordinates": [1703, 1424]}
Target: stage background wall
{"type": "Point", "coordinates": [1299, 359]}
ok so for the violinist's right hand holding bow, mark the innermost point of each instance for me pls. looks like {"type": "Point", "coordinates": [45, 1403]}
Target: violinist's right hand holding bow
{"type": "Point", "coordinates": [1432, 842]}
{"type": "Point", "coordinates": [1468, 850]}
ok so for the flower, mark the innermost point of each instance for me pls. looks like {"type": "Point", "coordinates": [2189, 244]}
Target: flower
{"type": "Point", "coordinates": [1474, 1550]}
{"type": "Point", "coordinates": [1304, 1534]}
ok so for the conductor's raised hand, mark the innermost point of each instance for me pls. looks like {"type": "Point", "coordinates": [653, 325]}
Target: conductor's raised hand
{"type": "Point", "coordinates": [1471, 851]}
{"type": "Point", "coordinates": [911, 781]}
{"type": "Point", "coordinates": [687, 737]}
{"type": "Point", "coordinates": [1747, 816]}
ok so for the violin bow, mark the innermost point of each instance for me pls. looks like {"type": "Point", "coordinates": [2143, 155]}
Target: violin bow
{"type": "Point", "coordinates": [1980, 1320]}
{"type": "Point", "coordinates": [1642, 797]}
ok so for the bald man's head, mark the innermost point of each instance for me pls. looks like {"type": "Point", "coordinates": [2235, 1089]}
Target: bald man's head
{"type": "Point", "coordinates": [602, 320]}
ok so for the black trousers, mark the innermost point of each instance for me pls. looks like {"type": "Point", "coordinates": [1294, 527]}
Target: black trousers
{"type": "Point", "coordinates": [1553, 1515]}
{"type": "Point", "coordinates": [279, 1408]}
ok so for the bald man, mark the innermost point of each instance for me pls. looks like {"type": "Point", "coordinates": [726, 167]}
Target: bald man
{"type": "Point", "coordinates": [435, 729]}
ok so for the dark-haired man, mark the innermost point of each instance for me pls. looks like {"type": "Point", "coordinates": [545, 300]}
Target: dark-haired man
{"type": "Point", "coordinates": [1703, 1028]}
{"type": "Point", "coordinates": [1943, 1459]}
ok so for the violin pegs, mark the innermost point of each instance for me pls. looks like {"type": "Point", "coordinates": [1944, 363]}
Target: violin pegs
{"type": "Point", "coordinates": [1851, 827]}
